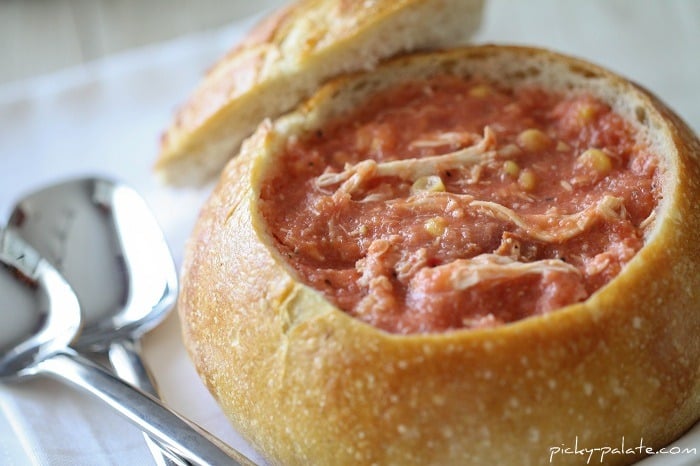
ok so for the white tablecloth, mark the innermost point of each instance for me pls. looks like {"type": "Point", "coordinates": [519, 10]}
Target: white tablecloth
{"type": "Point", "coordinates": [106, 118]}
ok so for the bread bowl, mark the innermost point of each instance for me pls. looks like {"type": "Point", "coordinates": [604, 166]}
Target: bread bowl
{"type": "Point", "coordinates": [307, 383]}
{"type": "Point", "coordinates": [285, 58]}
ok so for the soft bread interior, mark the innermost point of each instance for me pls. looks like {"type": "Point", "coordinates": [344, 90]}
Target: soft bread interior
{"type": "Point", "coordinates": [269, 78]}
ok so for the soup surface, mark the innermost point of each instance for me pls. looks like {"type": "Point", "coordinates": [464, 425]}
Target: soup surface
{"type": "Point", "coordinates": [445, 204]}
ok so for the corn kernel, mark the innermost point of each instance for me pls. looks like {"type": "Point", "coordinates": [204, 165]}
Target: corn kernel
{"type": "Point", "coordinates": [533, 140]}
{"type": "Point", "coordinates": [585, 113]}
{"type": "Point", "coordinates": [432, 183]}
{"type": "Point", "coordinates": [595, 159]}
{"type": "Point", "coordinates": [527, 180]}
{"type": "Point", "coordinates": [562, 146]}
{"type": "Point", "coordinates": [511, 168]}
{"type": "Point", "coordinates": [480, 91]}
{"type": "Point", "coordinates": [436, 226]}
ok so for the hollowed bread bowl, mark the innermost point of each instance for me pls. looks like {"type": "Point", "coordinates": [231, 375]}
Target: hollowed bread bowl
{"type": "Point", "coordinates": [306, 383]}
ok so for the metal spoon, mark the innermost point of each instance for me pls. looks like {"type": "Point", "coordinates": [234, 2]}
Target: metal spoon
{"type": "Point", "coordinates": [104, 241]}
{"type": "Point", "coordinates": [103, 238]}
{"type": "Point", "coordinates": [41, 316]}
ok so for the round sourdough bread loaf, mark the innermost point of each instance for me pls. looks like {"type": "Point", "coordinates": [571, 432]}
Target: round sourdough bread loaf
{"type": "Point", "coordinates": [306, 383]}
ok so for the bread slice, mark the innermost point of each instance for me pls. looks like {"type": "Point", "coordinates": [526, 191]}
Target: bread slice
{"type": "Point", "coordinates": [285, 58]}
{"type": "Point", "coordinates": [307, 384]}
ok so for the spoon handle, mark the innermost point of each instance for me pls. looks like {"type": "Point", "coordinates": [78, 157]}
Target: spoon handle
{"type": "Point", "coordinates": [125, 358]}
{"type": "Point", "coordinates": [180, 436]}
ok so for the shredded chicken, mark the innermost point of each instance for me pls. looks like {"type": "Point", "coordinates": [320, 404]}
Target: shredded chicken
{"type": "Point", "coordinates": [467, 273]}
{"type": "Point", "coordinates": [556, 228]}
{"type": "Point", "coordinates": [647, 222]}
{"type": "Point", "coordinates": [550, 227]}
{"type": "Point", "coordinates": [442, 139]}
{"type": "Point", "coordinates": [354, 176]}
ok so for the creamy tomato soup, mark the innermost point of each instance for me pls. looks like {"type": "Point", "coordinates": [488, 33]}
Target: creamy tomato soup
{"type": "Point", "coordinates": [446, 204]}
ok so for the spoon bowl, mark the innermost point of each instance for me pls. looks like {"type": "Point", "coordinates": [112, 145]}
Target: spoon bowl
{"type": "Point", "coordinates": [103, 239]}
{"type": "Point", "coordinates": [31, 332]}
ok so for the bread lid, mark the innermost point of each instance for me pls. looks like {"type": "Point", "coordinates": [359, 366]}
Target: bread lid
{"type": "Point", "coordinates": [285, 58]}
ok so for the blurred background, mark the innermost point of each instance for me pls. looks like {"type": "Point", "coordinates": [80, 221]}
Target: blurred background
{"type": "Point", "coordinates": [40, 36]}
{"type": "Point", "coordinates": [655, 42]}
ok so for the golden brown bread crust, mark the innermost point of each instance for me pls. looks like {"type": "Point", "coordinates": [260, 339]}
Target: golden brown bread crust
{"type": "Point", "coordinates": [286, 58]}
{"type": "Point", "coordinates": [307, 384]}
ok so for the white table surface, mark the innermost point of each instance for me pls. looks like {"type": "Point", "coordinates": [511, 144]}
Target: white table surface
{"type": "Point", "coordinates": [106, 118]}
